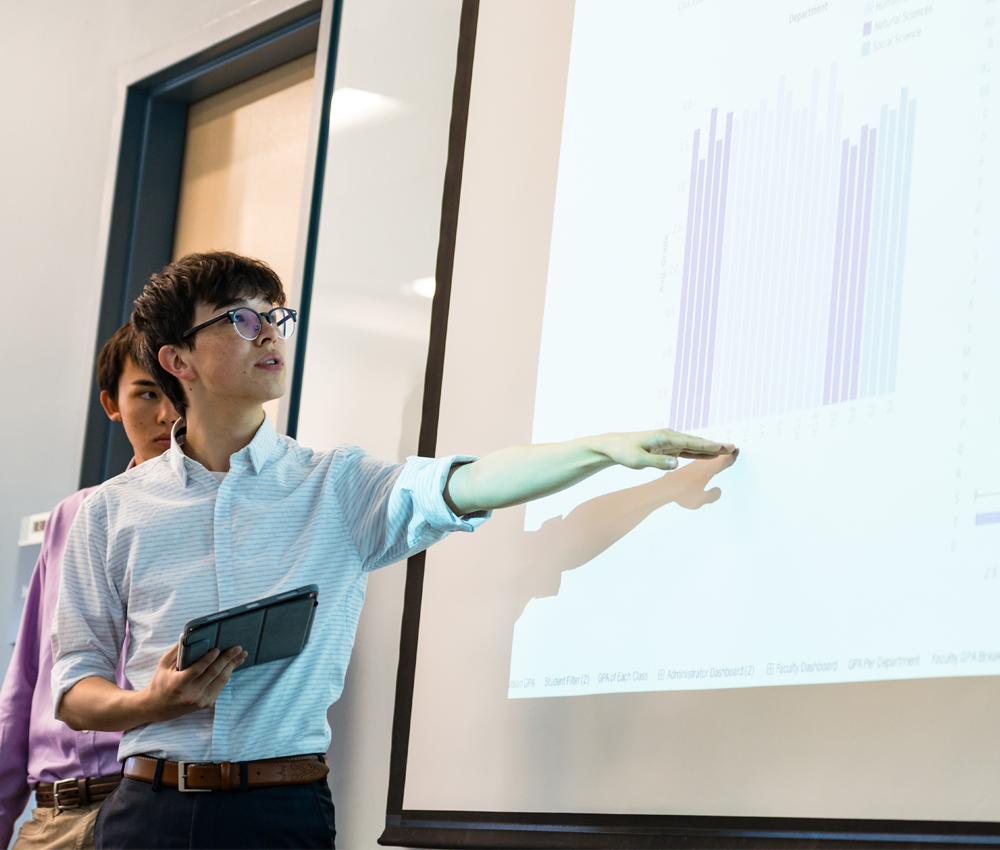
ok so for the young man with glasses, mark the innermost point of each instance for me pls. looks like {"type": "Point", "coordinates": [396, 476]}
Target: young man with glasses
{"type": "Point", "coordinates": [234, 512]}
{"type": "Point", "coordinates": [70, 771]}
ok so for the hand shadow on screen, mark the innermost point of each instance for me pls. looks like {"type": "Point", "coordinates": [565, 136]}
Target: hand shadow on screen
{"type": "Point", "coordinates": [565, 543]}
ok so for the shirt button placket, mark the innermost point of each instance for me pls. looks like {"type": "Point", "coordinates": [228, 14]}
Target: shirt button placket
{"type": "Point", "coordinates": [224, 576]}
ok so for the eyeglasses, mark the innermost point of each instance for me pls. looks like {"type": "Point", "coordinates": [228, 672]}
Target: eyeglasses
{"type": "Point", "coordinates": [248, 322]}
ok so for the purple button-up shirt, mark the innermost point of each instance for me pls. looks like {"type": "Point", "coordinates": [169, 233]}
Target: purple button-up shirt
{"type": "Point", "coordinates": [34, 746]}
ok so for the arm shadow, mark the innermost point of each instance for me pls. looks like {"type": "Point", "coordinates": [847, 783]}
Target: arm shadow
{"type": "Point", "coordinates": [565, 543]}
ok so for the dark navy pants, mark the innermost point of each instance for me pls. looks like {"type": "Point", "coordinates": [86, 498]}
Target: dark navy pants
{"type": "Point", "coordinates": [136, 816]}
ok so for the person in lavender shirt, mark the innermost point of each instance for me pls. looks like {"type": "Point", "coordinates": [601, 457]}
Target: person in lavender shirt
{"type": "Point", "coordinates": [38, 750]}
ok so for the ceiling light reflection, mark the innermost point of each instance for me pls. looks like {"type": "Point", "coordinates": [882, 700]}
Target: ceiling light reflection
{"type": "Point", "coordinates": [425, 286]}
{"type": "Point", "coordinates": [350, 108]}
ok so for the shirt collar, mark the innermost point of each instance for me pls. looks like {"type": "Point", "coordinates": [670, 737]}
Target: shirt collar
{"type": "Point", "coordinates": [259, 450]}
{"type": "Point", "coordinates": [176, 454]}
{"type": "Point", "coordinates": [262, 445]}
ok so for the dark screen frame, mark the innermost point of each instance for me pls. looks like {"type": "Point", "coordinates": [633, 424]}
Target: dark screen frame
{"type": "Point", "coordinates": [461, 829]}
{"type": "Point", "coordinates": [147, 189]}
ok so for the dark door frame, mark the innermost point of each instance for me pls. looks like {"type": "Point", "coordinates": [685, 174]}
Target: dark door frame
{"type": "Point", "coordinates": [147, 186]}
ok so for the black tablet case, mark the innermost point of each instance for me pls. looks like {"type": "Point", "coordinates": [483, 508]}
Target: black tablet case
{"type": "Point", "coordinates": [268, 629]}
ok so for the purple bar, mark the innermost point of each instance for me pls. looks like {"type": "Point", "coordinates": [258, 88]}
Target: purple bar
{"type": "Point", "coordinates": [872, 135]}
{"type": "Point", "coordinates": [699, 292]}
{"type": "Point", "coordinates": [838, 354]}
{"type": "Point", "coordinates": [699, 383]}
{"type": "Point", "coordinates": [695, 245]}
{"type": "Point", "coordinates": [855, 258]}
{"type": "Point", "coordinates": [718, 270]}
{"type": "Point", "coordinates": [992, 518]}
{"type": "Point", "coordinates": [685, 285]}
{"type": "Point", "coordinates": [830, 340]}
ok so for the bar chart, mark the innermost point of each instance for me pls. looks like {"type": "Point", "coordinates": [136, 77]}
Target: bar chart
{"type": "Point", "coordinates": [794, 258]}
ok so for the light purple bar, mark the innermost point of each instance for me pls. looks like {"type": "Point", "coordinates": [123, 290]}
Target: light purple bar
{"type": "Point", "coordinates": [731, 289]}
{"type": "Point", "coordinates": [813, 273]}
{"type": "Point", "coordinates": [852, 301]}
{"type": "Point", "coordinates": [870, 343]}
{"type": "Point", "coordinates": [747, 264]}
{"type": "Point", "coordinates": [991, 518]}
{"type": "Point", "coordinates": [682, 328]}
{"type": "Point", "coordinates": [746, 160]}
{"type": "Point", "coordinates": [804, 203]}
{"type": "Point", "coordinates": [707, 294]}
{"type": "Point", "coordinates": [882, 229]}
{"type": "Point", "coordinates": [778, 302]}
{"type": "Point", "coordinates": [770, 292]}
{"type": "Point", "coordinates": [718, 269]}
{"type": "Point", "coordinates": [901, 258]}
{"type": "Point", "coordinates": [758, 364]}
{"type": "Point", "coordinates": [689, 312]}
{"type": "Point", "coordinates": [835, 285]}
{"type": "Point", "coordinates": [866, 230]}
{"type": "Point", "coordinates": [825, 228]}
{"type": "Point", "coordinates": [838, 354]}
{"type": "Point", "coordinates": [792, 293]}
{"type": "Point", "coordinates": [829, 236]}
{"type": "Point", "coordinates": [892, 292]}
{"type": "Point", "coordinates": [703, 261]}
{"type": "Point", "coordinates": [766, 132]}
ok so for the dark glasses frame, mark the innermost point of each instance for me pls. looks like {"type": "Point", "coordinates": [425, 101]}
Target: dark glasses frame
{"type": "Point", "coordinates": [231, 315]}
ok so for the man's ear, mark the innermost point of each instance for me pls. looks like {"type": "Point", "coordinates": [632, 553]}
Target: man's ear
{"type": "Point", "coordinates": [110, 406]}
{"type": "Point", "coordinates": [175, 363]}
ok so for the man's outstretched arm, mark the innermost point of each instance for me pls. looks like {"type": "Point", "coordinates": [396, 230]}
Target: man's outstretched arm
{"type": "Point", "coordinates": [524, 473]}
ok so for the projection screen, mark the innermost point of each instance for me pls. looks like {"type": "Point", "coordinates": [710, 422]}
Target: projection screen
{"type": "Point", "coordinates": [767, 223]}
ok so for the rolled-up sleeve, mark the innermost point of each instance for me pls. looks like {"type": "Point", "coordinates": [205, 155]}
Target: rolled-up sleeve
{"type": "Point", "coordinates": [397, 510]}
{"type": "Point", "coordinates": [88, 627]}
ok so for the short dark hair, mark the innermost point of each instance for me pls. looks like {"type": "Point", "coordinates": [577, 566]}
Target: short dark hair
{"type": "Point", "coordinates": [124, 345]}
{"type": "Point", "coordinates": [166, 307]}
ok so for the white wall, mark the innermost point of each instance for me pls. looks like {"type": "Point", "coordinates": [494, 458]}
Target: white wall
{"type": "Point", "coordinates": [61, 67]}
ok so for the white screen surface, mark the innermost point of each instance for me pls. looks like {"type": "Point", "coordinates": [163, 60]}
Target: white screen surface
{"type": "Point", "coordinates": [558, 327]}
{"type": "Point", "coordinates": [764, 257]}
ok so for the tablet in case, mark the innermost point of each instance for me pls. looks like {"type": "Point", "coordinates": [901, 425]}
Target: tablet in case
{"type": "Point", "coordinates": [268, 629]}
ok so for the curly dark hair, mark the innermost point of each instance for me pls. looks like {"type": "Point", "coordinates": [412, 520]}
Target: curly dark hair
{"type": "Point", "coordinates": [124, 345]}
{"type": "Point", "coordinates": [166, 307]}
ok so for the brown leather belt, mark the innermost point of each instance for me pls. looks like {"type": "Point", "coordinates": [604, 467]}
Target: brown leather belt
{"type": "Point", "coordinates": [75, 793]}
{"type": "Point", "coordinates": [228, 776]}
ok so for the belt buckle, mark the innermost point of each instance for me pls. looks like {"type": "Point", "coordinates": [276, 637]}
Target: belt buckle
{"type": "Point", "coordinates": [182, 778]}
{"type": "Point", "coordinates": [55, 793]}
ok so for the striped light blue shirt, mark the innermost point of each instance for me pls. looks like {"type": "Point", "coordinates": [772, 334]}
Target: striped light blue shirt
{"type": "Point", "coordinates": [166, 542]}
